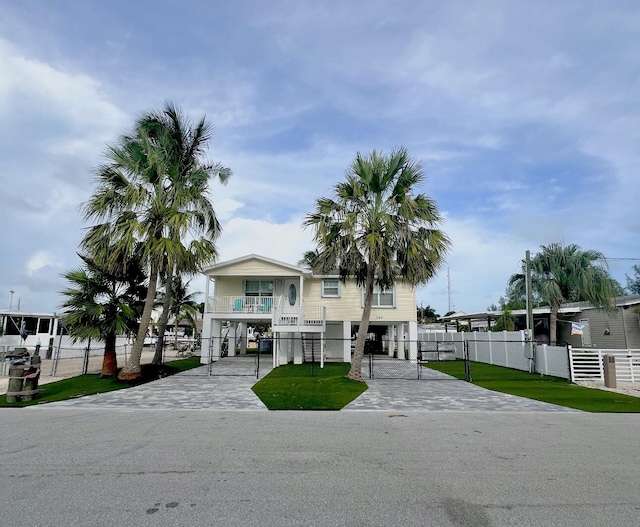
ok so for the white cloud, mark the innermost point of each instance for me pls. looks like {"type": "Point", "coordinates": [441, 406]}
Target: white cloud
{"type": "Point", "coordinates": [40, 260]}
{"type": "Point", "coordinates": [281, 241]}
{"type": "Point", "coordinates": [75, 98]}
{"type": "Point", "coordinates": [480, 263]}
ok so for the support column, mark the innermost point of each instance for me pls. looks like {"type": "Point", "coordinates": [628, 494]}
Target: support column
{"type": "Point", "coordinates": [391, 340]}
{"type": "Point", "coordinates": [231, 341]}
{"type": "Point", "coordinates": [413, 340]}
{"type": "Point", "coordinates": [214, 342]}
{"type": "Point", "coordinates": [346, 340]}
{"type": "Point", "coordinates": [400, 341]}
{"type": "Point", "coordinates": [276, 349]}
{"type": "Point", "coordinates": [242, 331]}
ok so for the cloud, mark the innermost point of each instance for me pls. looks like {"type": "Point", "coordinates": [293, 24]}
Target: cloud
{"type": "Point", "coordinates": [41, 259]}
{"type": "Point", "coordinates": [281, 241]}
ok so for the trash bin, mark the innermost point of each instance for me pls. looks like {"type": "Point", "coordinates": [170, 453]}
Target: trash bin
{"type": "Point", "coordinates": [265, 346]}
{"type": "Point", "coordinates": [24, 374]}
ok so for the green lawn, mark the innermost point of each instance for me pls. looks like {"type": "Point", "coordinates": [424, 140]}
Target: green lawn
{"type": "Point", "coordinates": [547, 389]}
{"type": "Point", "coordinates": [91, 384]}
{"type": "Point", "coordinates": [291, 387]}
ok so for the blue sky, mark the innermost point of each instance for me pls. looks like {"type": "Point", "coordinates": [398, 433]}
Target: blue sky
{"type": "Point", "coordinates": [525, 116]}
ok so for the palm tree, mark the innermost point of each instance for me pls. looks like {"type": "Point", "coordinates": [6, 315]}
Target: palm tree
{"type": "Point", "coordinates": [562, 274]}
{"type": "Point", "coordinates": [376, 231]}
{"type": "Point", "coordinates": [153, 192]}
{"type": "Point", "coordinates": [182, 304]}
{"type": "Point", "coordinates": [633, 284]}
{"type": "Point", "coordinates": [101, 305]}
{"type": "Point", "coordinates": [310, 259]}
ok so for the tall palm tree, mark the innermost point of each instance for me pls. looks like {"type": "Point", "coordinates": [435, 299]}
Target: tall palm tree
{"type": "Point", "coordinates": [375, 230]}
{"type": "Point", "coordinates": [182, 156]}
{"type": "Point", "coordinates": [153, 192]}
{"type": "Point", "coordinates": [101, 305]}
{"type": "Point", "coordinates": [182, 304]}
{"type": "Point", "coordinates": [562, 274]}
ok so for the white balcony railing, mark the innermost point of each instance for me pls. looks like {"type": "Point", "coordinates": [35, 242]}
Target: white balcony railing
{"type": "Point", "coordinates": [240, 304]}
{"type": "Point", "coordinates": [299, 316]}
{"type": "Point", "coordinates": [282, 315]}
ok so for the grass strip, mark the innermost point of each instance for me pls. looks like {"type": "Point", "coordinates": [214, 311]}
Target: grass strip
{"type": "Point", "coordinates": [541, 388]}
{"type": "Point", "coordinates": [291, 387]}
{"type": "Point", "coordinates": [91, 384]}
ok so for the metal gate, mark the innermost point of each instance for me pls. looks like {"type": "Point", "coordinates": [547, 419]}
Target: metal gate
{"type": "Point", "coordinates": [385, 367]}
{"type": "Point", "coordinates": [250, 363]}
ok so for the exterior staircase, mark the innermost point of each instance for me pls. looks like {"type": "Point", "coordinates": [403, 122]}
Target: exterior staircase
{"type": "Point", "coordinates": [311, 347]}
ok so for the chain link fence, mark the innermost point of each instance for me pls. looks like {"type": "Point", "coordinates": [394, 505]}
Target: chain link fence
{"type": "Point", "coordinates": [64, 362]}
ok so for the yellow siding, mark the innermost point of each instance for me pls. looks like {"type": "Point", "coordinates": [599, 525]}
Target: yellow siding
{"type": "Point", "coordinates": [349, 305]}
{"type": "Point", "coordinates": [230, 286]}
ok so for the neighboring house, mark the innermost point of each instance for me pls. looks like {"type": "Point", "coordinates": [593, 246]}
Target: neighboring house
{"type": "Point", "coordinates": [620, 330]}
{"type": "Point", "coordinates": [304, 310]}
{"type": "Point", "coordinates": [39, 328]}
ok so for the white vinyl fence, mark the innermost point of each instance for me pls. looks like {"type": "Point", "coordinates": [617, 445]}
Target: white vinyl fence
{"type": "Point", "coordinates": [588, 364]}
{"type": "Point", "coordinates": [507, 348]}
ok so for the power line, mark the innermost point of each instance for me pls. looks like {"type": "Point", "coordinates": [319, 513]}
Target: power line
{"type": "Point", "coordinates": [627, 259]}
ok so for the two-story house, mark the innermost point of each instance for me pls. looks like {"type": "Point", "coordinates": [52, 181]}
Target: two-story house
{"type": "Point", "coordinates": [303, 309]}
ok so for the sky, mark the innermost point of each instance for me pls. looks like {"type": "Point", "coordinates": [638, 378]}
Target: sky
{"type": "Point", "coordinates": [524, 115]}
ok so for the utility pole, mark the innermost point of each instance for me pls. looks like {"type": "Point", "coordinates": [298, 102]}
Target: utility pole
{"type": "Point", "coordinates": [527, 281]}
{"type": "Point", "coordinates": [527, 275]}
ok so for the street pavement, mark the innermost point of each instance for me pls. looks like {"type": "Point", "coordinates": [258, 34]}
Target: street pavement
{"type": "Point", "coordinates": [80, 466]}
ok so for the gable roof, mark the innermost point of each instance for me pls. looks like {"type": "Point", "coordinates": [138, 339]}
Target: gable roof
{"type": "Point", "coordinates": [249, 257]}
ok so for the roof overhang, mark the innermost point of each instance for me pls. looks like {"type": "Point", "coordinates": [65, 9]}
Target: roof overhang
{"type": "Point", "coordinates": [248, 257]}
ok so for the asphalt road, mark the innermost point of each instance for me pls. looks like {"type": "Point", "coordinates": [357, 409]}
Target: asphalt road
{"type": "Point", "coordinates": [74, 467]}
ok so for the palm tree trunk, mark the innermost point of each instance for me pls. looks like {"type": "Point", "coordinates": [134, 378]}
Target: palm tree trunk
{"type": "Point", "coordinates": [109, 361]}
{"type": "Point", "coordinates": [132, 368]}
{"type": "Point", "coordinates": [164, 318]}
{"type": "Point", "coordinates": [355, 372]}
{"type": "Point", "coordinates": [553, 325]}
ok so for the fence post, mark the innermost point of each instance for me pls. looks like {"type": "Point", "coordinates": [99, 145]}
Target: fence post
{"type": "Point", "coordinates": [506, 349]}
{"type": "Point", "coordinates": [258, 361]}
{"type": "Point", "coordinates": [570, 360]}
{"type": "Point", "coordinates": [490, 349]}
{"type": "Point", "coordinates": [545, 350]}
{"type": "Point", "coordinates": [601, 364]}
{"type": "Point", "coordinates": [85, 362]}
{"type": "Point", "coordinates": [467, 364]}
{"type": "Point", "coordinates": [54, 362]}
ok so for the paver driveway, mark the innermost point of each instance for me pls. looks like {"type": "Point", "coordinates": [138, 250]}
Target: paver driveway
{"type": "Point", "coordinates": [200, 392]}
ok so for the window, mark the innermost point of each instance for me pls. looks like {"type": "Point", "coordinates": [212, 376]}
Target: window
{"type": "Point", "coordinates": [330, 287]}
{"type": "Point", "coordinates": [382, 298]}
{"type": "Point", "coordinates": [258, 288]}
{"type": "Point", "coordinates": [44, 325]}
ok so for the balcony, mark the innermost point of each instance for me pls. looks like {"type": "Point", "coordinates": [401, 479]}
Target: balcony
{"type": "Point", "coordinates": [283, 317]}
{"type": "Point", "coordinates": [240, 305]}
